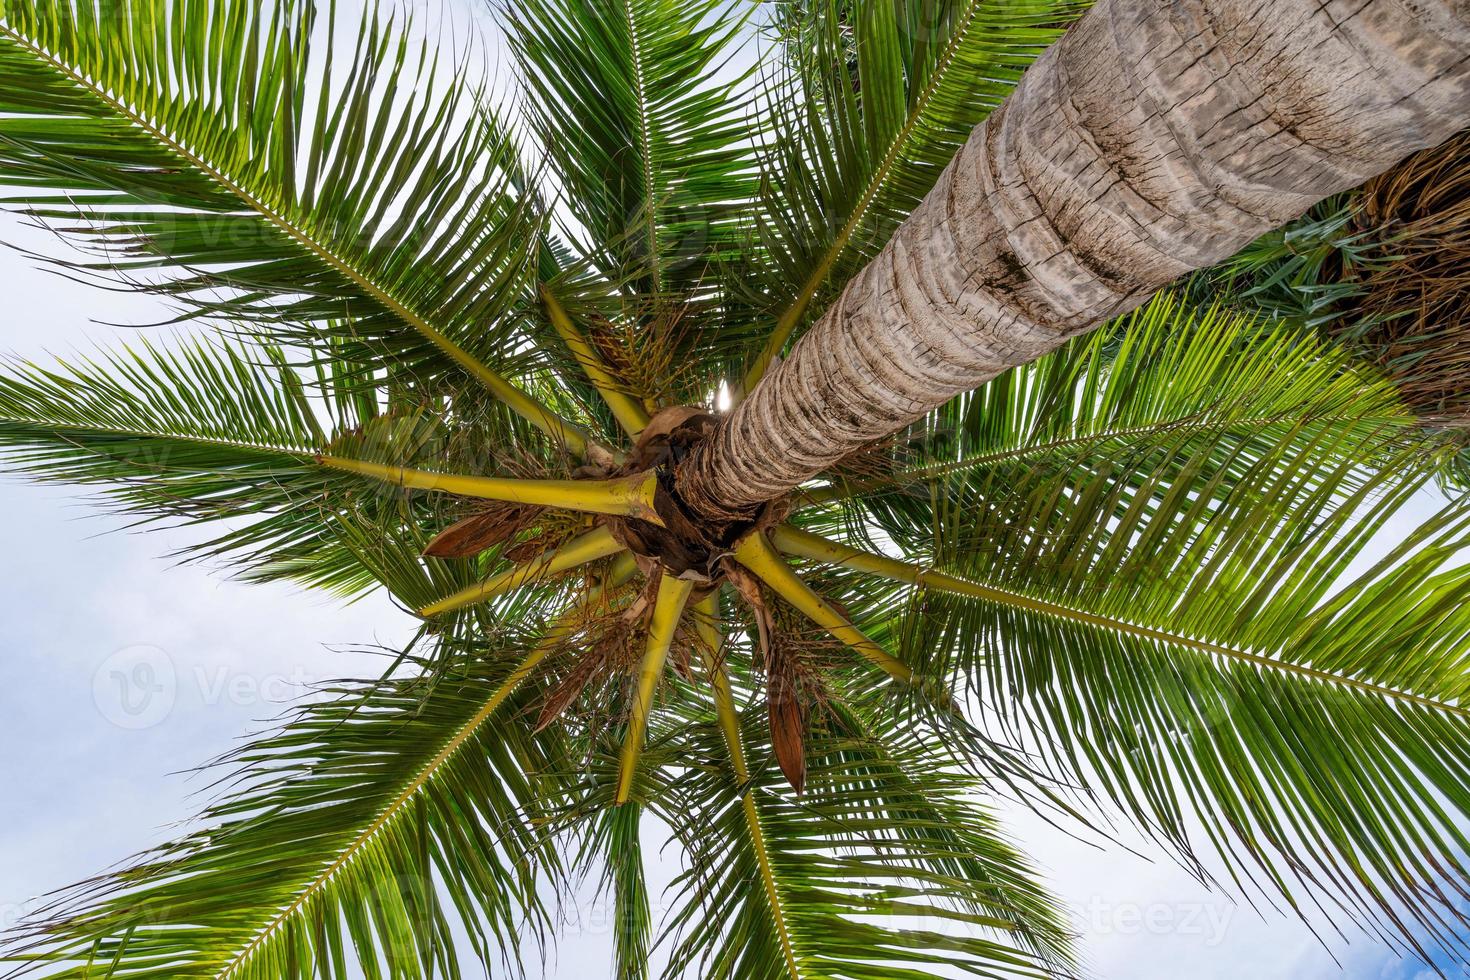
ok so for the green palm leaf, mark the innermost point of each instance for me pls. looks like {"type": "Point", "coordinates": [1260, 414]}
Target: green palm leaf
{"type": "Point", "coordinates": [199, 422]}
{"type": "Point", "coordinates": [886, 869]}
{"type": "Point", "coordinates": [371, 822]}
{"type": "Point", "coordinates": [197, 433]}
{"type": "Point", "coordinates": [1309, 770]}
{"type": "Point", "coordinates": [1169, 637]}
{"type": "Point", "coordinates": [192, 140]}
{"type": "Point", "coordinates": [615, 844]}
{"type": "Point", "coordinates": [227, 435]}
{"type": "Point", "coordinates": [636, 104]}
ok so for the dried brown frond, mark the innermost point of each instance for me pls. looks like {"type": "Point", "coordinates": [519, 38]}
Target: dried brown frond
{"type": "Point", "coordinates": [788, 710]}
{"type": "Point", "coordinates": [750, 589]}
{"type": "Point", "coordinates": [592, 666]}
{"type": "Point", "coordinates": [687, 642]}
{"type": "Point", "coordinates": [796, 687]}
{"type": "Point", "coordinates": [817, 653]}
{"type": "Point", "coordinates": [569, 689]}
{"type": "Point", "coordinates": [492, 524]}
{"type": "Point", "coordinates": [1417, 304]}
{"type": "Point", "coordinates": [605, 647]}
{"type": "Point", "coordinates": [794, 658]}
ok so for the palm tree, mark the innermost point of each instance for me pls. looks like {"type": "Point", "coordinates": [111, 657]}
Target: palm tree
{"type": "Point", "coordinates": [468, 354]}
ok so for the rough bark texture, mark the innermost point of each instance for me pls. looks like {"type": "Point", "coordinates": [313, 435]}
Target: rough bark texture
{"type": "Point", "coordinates": [1155, 138]}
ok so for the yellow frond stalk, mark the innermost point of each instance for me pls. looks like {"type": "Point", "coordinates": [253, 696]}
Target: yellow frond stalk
{"type": "Point", "coordinates": [707, 621]}
{"type": "Point", "coordinates": [804, 544]}
{"type": "Point", "coordinates": [629, 496]}
{"type": "Point", "coordinates": [673, 593]}
{"type": "Point", "coordinates": [518, 401]}
{"type": "Point", "coordinates": [756, 554]}
{"type": "Point", "coordinates": [579, 551]}
{"type": "Point", "coordinates": [626, 409]}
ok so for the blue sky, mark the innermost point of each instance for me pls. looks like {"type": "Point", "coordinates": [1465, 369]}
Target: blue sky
{"type": "Point", "coordinates": [124, 667]}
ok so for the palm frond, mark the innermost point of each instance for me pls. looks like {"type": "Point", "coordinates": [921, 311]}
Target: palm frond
{"type": "Point", "coordinates": [584, 549]}
{"type": "Point", "coordinates": [1306, 272]}
{"type": "Point", "coordinates": [756, 554]}
{"type": "Point", "coordinates": [637, 104]}
{"type": "Point", "coordinates": [354, 839]}
{"type": "Point", "coordinates": [1170, 639]}
{"type": "Point", "coordinates": [886, 868]}
{"type": "Point", "coordinates": [222, 434]}
{"type": "Point", "coordinates": [614, 841]}
{"type": "Point", "coordinates": [197, 433]}
{"type": "Point", "coordinates": [631, 414]}
{"type": "Point", "coordinates": [183, 138]}
{"type": "Point", "coordinates": [198, 422]}
{"type": "Point", "coordinates": [1308, 785]}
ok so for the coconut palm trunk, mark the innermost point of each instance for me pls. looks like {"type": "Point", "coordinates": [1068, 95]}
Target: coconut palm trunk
{"type": "Point", "coordinates": [1156, 138]}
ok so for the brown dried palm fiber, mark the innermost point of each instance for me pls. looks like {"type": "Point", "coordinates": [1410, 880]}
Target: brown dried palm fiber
{"type": "Point", "coordinates": [1417, 306]}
